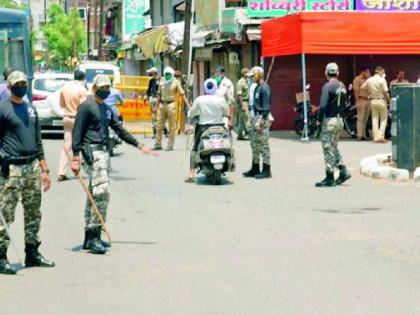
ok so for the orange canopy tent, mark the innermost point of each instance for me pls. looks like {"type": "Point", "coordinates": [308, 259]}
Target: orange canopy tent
{"type": "Point", "coordinates": [340, 33]}
{"type": "Point", "coordinates": [345, 33]}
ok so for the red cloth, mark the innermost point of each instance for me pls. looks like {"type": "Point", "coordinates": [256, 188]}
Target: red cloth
{"type": "Point", "coordinates": [344, 33]}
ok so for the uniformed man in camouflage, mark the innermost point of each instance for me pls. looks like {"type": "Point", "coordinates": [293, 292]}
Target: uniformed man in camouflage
{"type": "Point", "coordinates": [23, 170]}
{"type": "Point", "coordinates": [90, 136]}
{"type": "Point", "coordinates": [332, 103]}
{"type": "Point", "coordinates": [166, 107]}
{"type": "Point", "coordinates": [260, 129]}
{"type": "Point", "coordinates": [242, 90]}
{"type": "Point", "coordinates": [151, 96]}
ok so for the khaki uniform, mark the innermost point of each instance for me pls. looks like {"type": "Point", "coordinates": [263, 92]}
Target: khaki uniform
{"type": "Point", "coordinates": [168, 109]}
{"type": "Point", "coordinates": [376, 87]}
{"type": "Point", "coordinates": [363, 106]}
{"type": "Point", "coordinates": [243, 116]}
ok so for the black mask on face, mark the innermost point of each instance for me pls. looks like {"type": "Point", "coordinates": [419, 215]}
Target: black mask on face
{"type": "Point", "coordinates": [103, 94]}
{"type": "Point", "coordinates": [19, 91]}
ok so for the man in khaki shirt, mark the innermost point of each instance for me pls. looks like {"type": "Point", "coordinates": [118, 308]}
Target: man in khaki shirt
{"type": "Point", "coordinates": [71, 96]}
{"type": "Point", "coordinates": [379, 97]}
{"type": "Point", "coordinates": [362, 102]}
{"type": "Point", "coordinates": [166, 107]}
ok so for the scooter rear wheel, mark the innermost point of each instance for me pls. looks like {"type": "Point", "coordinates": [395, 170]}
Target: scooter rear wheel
{"type": "Point", "coordinates": [217, 177]}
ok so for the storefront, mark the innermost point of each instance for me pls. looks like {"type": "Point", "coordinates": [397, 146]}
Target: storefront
{"type": "Point", "coordinates": [351, 39]}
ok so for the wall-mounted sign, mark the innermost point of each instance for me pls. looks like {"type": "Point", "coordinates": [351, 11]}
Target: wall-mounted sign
{"type": "Point", "coordinates": [133, 19]}
{"type": "Point", "coordinates": [276, 8]}
{"type": "Point", "coordinates": [387, 5]}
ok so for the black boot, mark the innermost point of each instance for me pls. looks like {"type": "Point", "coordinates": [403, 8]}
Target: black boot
{"type": "Point", "coordinates": [344, 175]}
{"type": "Point", "coordinates": [34, 258]}
{"type": "Point", "coordinates": [328, 181]}
{"type": "Point", "coordinates": [5, 267]}
{"type": "Point", "coordinates": [266, 172]}
{"type": "Point", "coordinates": [255, 170]}
{"type": "Point", "coordinates": [94, 244]}
{"type": "Point", "coordinates": [105, 244]}
{"type": "Point", "coordinates": [87, 238]}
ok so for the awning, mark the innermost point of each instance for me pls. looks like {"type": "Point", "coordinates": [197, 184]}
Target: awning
{"type": "Point", "coordinates": [342, 33]}
{"type": "Point", "coordinates": [253, 34]}
{"type": "Point", "coordinates": [153, 42]}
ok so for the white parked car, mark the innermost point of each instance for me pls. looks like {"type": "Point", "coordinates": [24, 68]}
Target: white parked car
{"type": "Point", "coordinates": [93, 68]}
{"type": "Point", "coordinates": [46, 89]}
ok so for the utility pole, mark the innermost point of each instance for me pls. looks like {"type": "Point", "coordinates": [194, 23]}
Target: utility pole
{"type": "Point", "coordinates": [75, 40]}
{"type": "Point", "coordinates": [186, 48]}
{"type": "Point", "coordinates": [87, 28]}
{"type": "Point", "coordinates": [95, 25]}
{"type": "Point", "coordinates": [100, 28]}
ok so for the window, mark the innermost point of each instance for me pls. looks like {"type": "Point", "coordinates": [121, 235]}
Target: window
{"type": "Point", "coordinates": [235, 3]}
{"type": "Point", "coordinates": [49, 85]}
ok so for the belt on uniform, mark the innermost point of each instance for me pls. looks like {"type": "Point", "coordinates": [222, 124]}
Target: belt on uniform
{"type": "Point", "coordinates": [70, 116]}
{"type": "Point", "coordinates": [98, 147]}
{"type": "Point", "coordinates": [363, 98]}
{"type": "Point", "coordinates": [21, 160]}
{"type": "Point", "coordinates": [167, 102]}
{"type": "Point", "coordinates": [377, 99]}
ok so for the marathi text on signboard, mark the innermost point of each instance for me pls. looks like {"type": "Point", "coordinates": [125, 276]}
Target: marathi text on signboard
{"type": "Point", "coordinates": [133, 20]}
{"type": "Point", "coordinates": [388, 5]}
{"type": "Point", "coordinates": [275, 8]}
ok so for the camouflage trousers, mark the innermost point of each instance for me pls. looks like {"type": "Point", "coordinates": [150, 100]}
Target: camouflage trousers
{"type": "Point", "coordinates": [24, 182]}
{"type": "Point", "coordinates": [152, 102]}
{"type": "Point", "coordinates": [99, 187]}
{"type": "Point", "coordinates": [244, 120]}
{"type": "Point", "coordinates": [260, 141]}
{"type": "Point", "coordinates": [330, 134]}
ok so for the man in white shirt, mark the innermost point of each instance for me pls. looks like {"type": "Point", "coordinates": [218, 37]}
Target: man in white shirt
{"type": "Point", "coordinates": [210, 110]}
{"type": "Point", "coordinates": [226, 89]}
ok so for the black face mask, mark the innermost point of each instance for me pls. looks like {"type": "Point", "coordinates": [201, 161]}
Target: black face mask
{"type": "Point", "coordinates": [19, 91]}
{"type": "Point", "coordinates": [103, 94]}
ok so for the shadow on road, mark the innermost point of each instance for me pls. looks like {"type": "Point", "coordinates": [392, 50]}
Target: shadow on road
{"type": "Point", "coordinates": [203, 181]}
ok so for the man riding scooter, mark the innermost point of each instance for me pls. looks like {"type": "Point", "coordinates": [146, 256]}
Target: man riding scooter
{"type": "Point", "coordinates": [210, 109]}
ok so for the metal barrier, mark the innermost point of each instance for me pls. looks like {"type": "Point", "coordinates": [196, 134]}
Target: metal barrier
{"type": "Point", "coordinates": [135, 107]}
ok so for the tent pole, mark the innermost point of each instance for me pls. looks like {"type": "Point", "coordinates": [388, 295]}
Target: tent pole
{"type": "Point", "coordinates": [305, 101]}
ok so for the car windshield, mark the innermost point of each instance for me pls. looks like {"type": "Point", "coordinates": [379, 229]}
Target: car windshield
{"type": "Point", "coordinates": [92, 73]}
{"type": "Point", "coordinates": [50, 85]}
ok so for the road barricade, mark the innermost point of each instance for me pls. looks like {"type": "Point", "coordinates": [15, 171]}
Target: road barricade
{"type": "Point", "coordinates": [135, 107]}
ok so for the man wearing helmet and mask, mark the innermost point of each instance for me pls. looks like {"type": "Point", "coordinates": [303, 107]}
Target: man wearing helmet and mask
{"type": "Point", "coordinates": [260, 129]}
{"type": "Point", "coordinates": [166, 107]}
{"type": "Point", "coordinates": [210, 109]}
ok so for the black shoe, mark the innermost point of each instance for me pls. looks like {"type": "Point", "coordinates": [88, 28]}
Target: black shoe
{"type": "Point", "coordinates": [105, 244]}
{"type": "Point", "coordinates": [255, 170]}
{"type": "Point", "coordinates": [266, 172]}
{"type": "Point", "coordinates": [328, 181]}
{"type": "Point", "coordinates": [157, 148]}
{"type": "Point", "coordinates": [169, 149]}
{"type": "Point", "coordinates": [5, 267]}
{"type": "Point", "coordinates": [34, 257]}
{"type": "Point", "coordinates": [94, 244]}
{"type": "Point", "coordinates": [87, 237]}
{"type": "Point", "coordinates": [344, 175]}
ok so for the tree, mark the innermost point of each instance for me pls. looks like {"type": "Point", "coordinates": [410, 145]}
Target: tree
{"type": "Point", "coordinates": [65, 34]}
{"type": "Point", "coordinates": [11, 4]}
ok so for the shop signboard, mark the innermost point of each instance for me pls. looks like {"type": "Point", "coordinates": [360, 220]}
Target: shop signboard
{"type": "Point", "coordinates": [277, 8]}
{"type": "Point", "coordinates": [133, 20]}
{"type": "Point", "coordinates": [388, 5]}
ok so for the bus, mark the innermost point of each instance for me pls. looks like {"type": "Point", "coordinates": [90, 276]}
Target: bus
{"type": "Point", "coordinates": [15, 48]}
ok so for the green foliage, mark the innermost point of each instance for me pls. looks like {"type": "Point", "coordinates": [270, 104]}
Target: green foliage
{"type": "Point", "coordinates": [61, 33]}
{"type": "Point", "coordinates": [11, 4]}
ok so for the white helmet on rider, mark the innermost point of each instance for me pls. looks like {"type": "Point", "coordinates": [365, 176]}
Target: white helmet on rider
{"type": "Point", "coordinates": [210, 87]}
